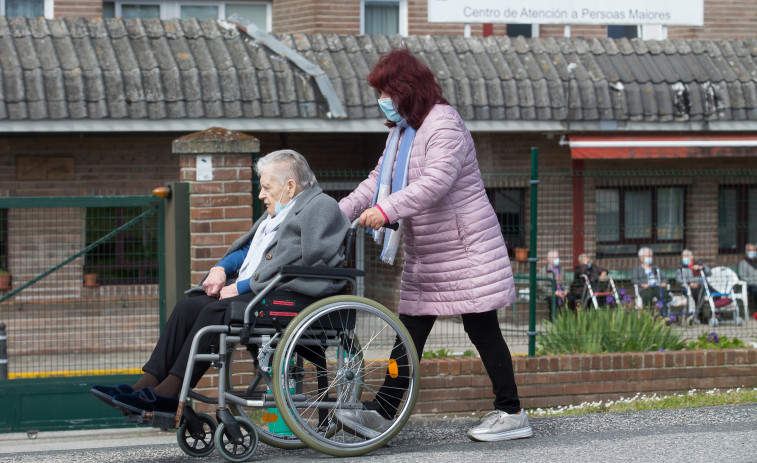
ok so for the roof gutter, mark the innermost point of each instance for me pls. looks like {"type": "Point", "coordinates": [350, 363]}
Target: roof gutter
{"type": "Point", "coordinates": [314, 125]}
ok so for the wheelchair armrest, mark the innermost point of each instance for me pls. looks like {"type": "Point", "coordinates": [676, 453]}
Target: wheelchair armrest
{"type": "Point", "coordinates": [320, 272]}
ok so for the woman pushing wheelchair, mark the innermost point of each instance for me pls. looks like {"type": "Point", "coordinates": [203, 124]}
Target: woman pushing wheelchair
{"type": "Point", "coordinates": [301, 226]}
{"type": "Point", "coordinates": [456, 262]}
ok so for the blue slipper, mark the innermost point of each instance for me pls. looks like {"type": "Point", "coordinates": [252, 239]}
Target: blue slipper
{"type": "Point", "coordinates": [146, 400]}
{"type": "Point", "coordinates": [106, 393]}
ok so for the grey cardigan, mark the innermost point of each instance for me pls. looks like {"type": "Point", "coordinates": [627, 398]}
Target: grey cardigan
{"type": "Point", "coordinates": [639, 276]}
{"type": "Point", "coordinates": [684, 275]}
{"type": "Point", "coordinates": [747, 273]}
{"type": "Point", "coordinates": [312, 234]}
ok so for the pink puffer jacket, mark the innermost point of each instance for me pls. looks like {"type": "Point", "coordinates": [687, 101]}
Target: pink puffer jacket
{"type": "Point", "coordinates": [455, 256]}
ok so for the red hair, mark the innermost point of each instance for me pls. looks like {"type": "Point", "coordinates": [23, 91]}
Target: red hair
{"type": "Point", "coordinates": [410, 84]}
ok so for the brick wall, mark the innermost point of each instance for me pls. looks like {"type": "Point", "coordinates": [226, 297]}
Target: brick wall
{"type": "Point", "coordinates": [220, 209]}
{"type": "Point", "coordinates": [78, 8]}
{"type": "Point", "coordinates": [461, 384]}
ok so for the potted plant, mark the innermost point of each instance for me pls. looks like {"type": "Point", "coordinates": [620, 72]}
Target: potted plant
{"type": "Point", "coordinates": [521, 254]}
{"type": "Point", "coordinates": [5, 280]}
{"type": "Point", "coordinates": [90, 280]}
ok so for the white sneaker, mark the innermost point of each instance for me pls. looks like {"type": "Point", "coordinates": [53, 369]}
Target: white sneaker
{"type": "Point", "coordinates": [363, 423]}
{"type": "Point", "coordinates": [498, 425]}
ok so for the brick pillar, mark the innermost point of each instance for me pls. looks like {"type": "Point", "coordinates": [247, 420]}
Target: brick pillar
{"type": "Point", "coordinates": [217, 164]}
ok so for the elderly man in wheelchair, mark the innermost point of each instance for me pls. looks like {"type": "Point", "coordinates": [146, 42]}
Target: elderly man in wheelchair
{"type": "Point", "coordinates": [282, 268]}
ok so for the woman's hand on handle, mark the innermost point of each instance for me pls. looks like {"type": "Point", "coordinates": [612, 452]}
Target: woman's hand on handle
{"type": "Point", "coordinates": [372, 218]}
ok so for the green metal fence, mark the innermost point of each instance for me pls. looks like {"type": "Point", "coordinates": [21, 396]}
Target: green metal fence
{"type": "Point", "coordinates": [86, 296]}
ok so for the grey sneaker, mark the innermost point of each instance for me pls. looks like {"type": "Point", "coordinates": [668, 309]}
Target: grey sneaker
{"type": "Point", "coordinates": [364, 423]}
{"type": "Point", "coordinates": [498, 425]}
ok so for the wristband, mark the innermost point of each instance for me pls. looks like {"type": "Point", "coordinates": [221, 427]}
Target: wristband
{"type": "Point", "coordinates": [386, 219]}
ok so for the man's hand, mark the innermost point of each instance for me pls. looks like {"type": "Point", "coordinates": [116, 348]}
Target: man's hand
{"type": "Point", "coordinates": [603, 276]}
{"type": "Point", "coordinates": [644, 286]}
{"type": "Point", "coordinates": [694, 285]}
{"type": "Point", "coordinates": [229, 291]}
{"type": "Point", "coordinates": [214, 282]}
{"type": "Point", "coordinates": [372, 218]}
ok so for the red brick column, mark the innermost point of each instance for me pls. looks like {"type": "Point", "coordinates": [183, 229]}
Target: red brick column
{"type": "Point", "coordinates": [221, 201]}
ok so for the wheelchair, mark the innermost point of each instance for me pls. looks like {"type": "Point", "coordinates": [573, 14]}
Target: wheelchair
{"type": "Point", "coordinates": [311, 359]}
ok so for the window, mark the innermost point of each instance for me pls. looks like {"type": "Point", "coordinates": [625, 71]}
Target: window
{"type": "Point", "coordinates": [526, 30]}
{"type": "Point", "coordinates": [129, 257]}
{"type": "Point", "coordinates": [387, 17]}
{"type": "Point", "coordinates": [618, 32]}
{"type": "Point", "coordinates": [737, 217]}
{"type": "Point", "coordinates": [628, 219]}
{"type": "Point", "coordinates": [27, 8]}
{"type": "Point", "coordinates": [508, 206]}
{"type": "Point", "coordinates": [259, 13]}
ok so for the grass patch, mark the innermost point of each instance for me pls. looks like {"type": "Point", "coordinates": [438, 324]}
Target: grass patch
{"type": "Point", "coordinates": [692, 399]}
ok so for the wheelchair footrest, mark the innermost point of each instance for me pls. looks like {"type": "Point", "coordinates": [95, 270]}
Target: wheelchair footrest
{"type": "Point", "coordinates": [162, 420]}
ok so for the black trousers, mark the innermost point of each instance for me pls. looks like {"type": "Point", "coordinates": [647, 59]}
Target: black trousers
{"type": "Point", "coordinates": [483, 330]}
{"type": "Point", "coordinates": [171, 353]}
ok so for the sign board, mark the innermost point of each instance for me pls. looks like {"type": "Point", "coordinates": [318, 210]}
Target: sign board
{"type": "Point", "coordinates": [625, 12]}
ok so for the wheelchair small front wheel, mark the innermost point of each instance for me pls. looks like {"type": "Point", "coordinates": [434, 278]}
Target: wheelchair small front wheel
{"type": "Point", "coordinates": [236, 451]}
{"type": "Point", "coordinates": [351, 345]}
{"type": "Point", "coordinates": [197, 444]}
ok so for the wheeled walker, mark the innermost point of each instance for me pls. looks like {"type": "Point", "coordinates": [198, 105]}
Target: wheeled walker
{"type": "Point", "coordinates": [310, 359]}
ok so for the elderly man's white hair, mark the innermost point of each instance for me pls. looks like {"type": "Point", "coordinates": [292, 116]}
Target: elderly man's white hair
{"type": "Point", "coordinates": [552, 254]}
{"type": "Point", "coordinates": [687, 252]}
{"type": "Point", "coordinates": [289, 164]}
{"type": "Point", "coordinates": [643, 251]}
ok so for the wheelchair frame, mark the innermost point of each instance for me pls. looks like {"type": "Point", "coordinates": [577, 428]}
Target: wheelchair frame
{"type": "Point", "coordinates": [280, 366]}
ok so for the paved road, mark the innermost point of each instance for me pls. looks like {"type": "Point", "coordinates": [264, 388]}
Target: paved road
{"type": "Point", "coordinates": [714, 434]}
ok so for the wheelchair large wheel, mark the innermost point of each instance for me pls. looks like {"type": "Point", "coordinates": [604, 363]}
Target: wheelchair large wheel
{"type": "Point", "coordinates": [340, 370]}
{"type": "Point", "coordinates": [268, 432]}
{"type": "Point", "coordinates": [197, 444]}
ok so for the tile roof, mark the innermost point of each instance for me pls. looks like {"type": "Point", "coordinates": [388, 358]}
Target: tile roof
{"type": "Point", "coordinates": [114, 69]}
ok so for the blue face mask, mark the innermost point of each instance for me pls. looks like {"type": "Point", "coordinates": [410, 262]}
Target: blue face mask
{"type": "Point", "coordinates": [751, 254]}
{"type": "Point", "coordinates": [685, 261]}
{"type": "Point", "coordinates": [387, 105]}
{"type": "Point", "coordinates": [588, 265]}
{"type": "Point", "coordinates": [556, 262]}
{"type": "Point", "coordinates": [278, 207]}
{"type": "Point", "coordinates": [648, 260]}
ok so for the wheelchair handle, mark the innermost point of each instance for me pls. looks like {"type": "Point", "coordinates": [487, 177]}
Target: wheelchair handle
{"type": "Point", "coordinates": [391, 226]}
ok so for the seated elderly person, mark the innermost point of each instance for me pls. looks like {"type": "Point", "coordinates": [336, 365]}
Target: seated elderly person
{"type": "Point", "coordinates": [689, 276]}
{"type": "Point", "coordinates": [648, 279]}
{"type": "Point", "coordinates": [747, 270]}
{"type": "Point", "coordinates": [554, 272]}
{"type": "Point", "coordinates": [595, 273]}
{"type": "Point", "coordinates": [301, 226]}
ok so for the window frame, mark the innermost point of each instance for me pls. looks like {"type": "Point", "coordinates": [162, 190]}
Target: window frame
{"type": "Point", "coordinates": [521, 242]}
{"type": "Point", "coordinates": [403, 19]}
{"type": "Point", "coordinates": [49, 8]}
{"type": "Point", "coordinates": [640, 242]}
{"type": "Point", "coordinates": [742, 216]}
{"type": "Point", "coordinates": [172, 9]}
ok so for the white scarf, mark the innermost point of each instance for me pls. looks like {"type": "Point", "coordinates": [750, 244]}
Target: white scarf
{"type": "Point", "coordinates": [388, 184]}
{"type": "Point", "coordinates": [263, 236]}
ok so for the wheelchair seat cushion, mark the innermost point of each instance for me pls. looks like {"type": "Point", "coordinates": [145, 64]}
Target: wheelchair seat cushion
{"type": "Point", "coordinates": [276, 306]}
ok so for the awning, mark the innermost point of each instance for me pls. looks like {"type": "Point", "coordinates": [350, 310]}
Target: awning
{"type": "Point", "coordinates": [660, 146]}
